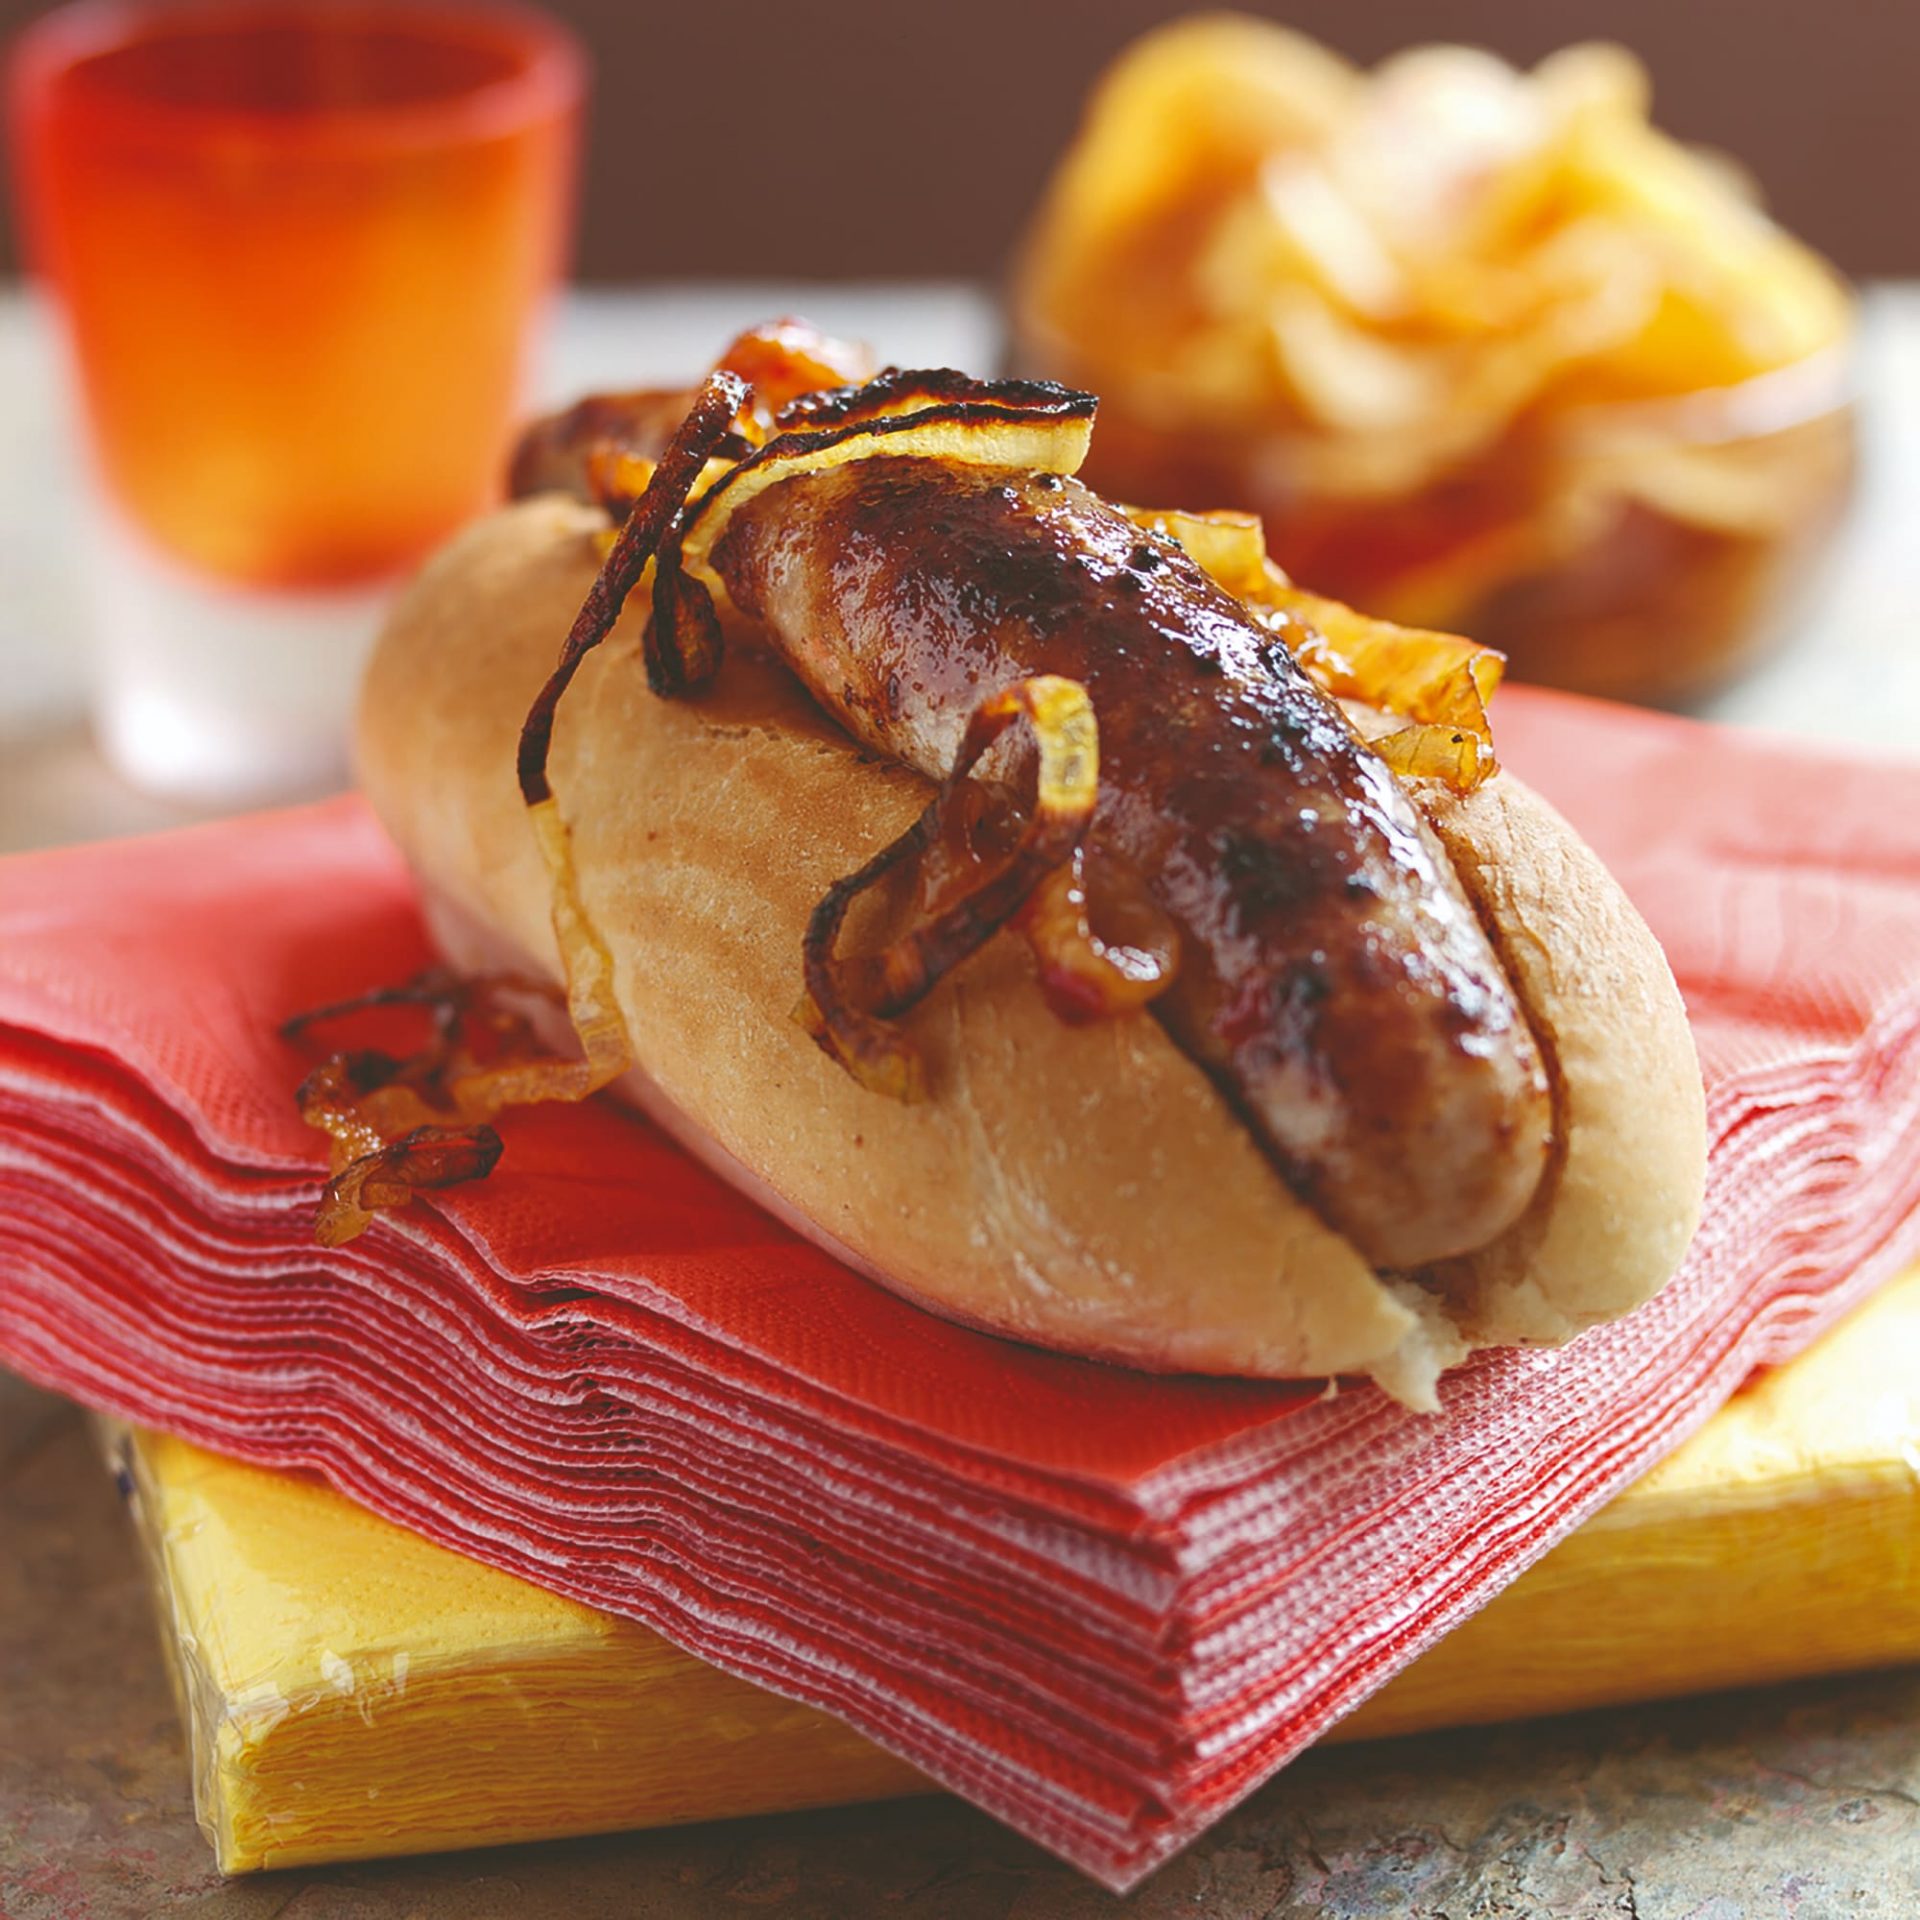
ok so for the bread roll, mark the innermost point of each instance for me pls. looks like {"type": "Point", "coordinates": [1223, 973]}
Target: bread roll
{"type": "Point", "coordinates": [1083, 1188]}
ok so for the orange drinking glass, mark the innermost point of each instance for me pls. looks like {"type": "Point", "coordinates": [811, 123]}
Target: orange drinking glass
{"type": "Point", "coordinates": [299, 246]}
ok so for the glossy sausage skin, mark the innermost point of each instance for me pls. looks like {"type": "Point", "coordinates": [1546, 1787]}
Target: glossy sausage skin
{"type": "Point", "coordinates": [1335, 981]}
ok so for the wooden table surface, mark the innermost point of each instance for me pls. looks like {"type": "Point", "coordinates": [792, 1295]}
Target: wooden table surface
{"type": "Point", "coordinates": [1801, 1802]}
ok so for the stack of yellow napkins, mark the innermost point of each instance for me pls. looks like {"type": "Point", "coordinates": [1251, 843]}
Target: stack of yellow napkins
{"type": "Point", "coordinates": [353, 1691]}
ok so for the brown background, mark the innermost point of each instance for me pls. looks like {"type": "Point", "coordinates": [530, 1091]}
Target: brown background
{"type": "Point", "coordinates": [887, 137]}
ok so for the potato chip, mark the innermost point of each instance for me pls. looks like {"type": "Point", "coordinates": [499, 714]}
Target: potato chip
{"type": "Point", "coordinates": [1435, 253]}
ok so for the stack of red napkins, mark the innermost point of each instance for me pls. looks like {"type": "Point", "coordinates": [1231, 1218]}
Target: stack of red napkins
{"type": "Point", "coordinates": [1102, 1605]}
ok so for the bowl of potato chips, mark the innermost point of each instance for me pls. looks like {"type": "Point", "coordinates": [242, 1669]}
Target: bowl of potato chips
{"type": "Point", "coordinates": [1486, 350]}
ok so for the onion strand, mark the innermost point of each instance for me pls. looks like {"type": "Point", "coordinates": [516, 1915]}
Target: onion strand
{"type": "Point", "coordinates": [850, 1004]}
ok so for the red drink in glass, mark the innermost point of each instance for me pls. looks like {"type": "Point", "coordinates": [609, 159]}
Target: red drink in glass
{"type": "Point", "coordinates": [299, 249]}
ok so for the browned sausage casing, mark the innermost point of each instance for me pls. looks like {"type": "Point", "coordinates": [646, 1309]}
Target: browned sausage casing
{"type": "Point", "coordinates": [1335, 981]}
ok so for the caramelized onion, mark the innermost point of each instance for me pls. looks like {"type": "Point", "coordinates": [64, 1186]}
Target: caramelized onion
{"type": "Point", "coordinates": [1231, 548]}
{"type": "Point", "coordinates": [850, 1003]}
{"type": "Point", "coordinates": [785, 359]}
{"type": "Point", "coordinates": [603, 449]}
{"type": "Point", "coordinates": [1438, 683]}
{"type": "Point", "coordinates": [1012, 423]}
{"type": "Point", "coordinates": [902, 390]}
{"type": "Point", "coordinates": [648, 525]}
{"type": "Point", "coordinates": [401, 1122]}
{"type": "Point", "coordinates": [938, 416]}
{"type": "Point", "coordinates": [390, 1176]}
{"type": "Point", "coordinates": [1097, 975]}
{"type": "Point", "coordinates": [615, 477]}
{"type": "Point", "coordinates": [605, 1046]}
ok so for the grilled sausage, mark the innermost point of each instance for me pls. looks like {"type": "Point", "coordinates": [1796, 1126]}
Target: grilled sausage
{"type": "Point", "coordinates": [1335, 981]}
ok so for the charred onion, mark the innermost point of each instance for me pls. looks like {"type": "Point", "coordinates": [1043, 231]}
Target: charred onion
{"type": "Point", "coordinates": [402, 1122]}
{"type": "Point", "coordinates": [850, 1002]}
{"type": "Point", "coordinates": [1436, 682]}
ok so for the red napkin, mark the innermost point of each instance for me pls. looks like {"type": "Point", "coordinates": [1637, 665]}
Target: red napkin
{"type": "Point", "coordinates": [1103, 1606]}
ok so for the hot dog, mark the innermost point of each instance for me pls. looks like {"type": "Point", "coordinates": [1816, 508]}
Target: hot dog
{"type": "Point", "coordinates": [1378, 1067]}
{"type": "Point", "coordinates": [1334, 980]}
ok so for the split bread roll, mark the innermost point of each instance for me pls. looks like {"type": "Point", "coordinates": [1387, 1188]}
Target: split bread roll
{"type": "Point", "coordinates": [1084, 1188]}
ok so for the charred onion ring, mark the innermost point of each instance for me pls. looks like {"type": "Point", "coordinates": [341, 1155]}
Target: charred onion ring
{"type": "Point", "coordinates": [708, 422]}
{"type": "Point", "coordinates": [850, 1003]}
{"type": "Point", "coordinates": [895, 391]}
{"type": "Point", "coordinates": [937, 414]}
{"type": "Point", "coordinates": [399, 1123]}
{"type": "Point", "coordinates": [943, 414]}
